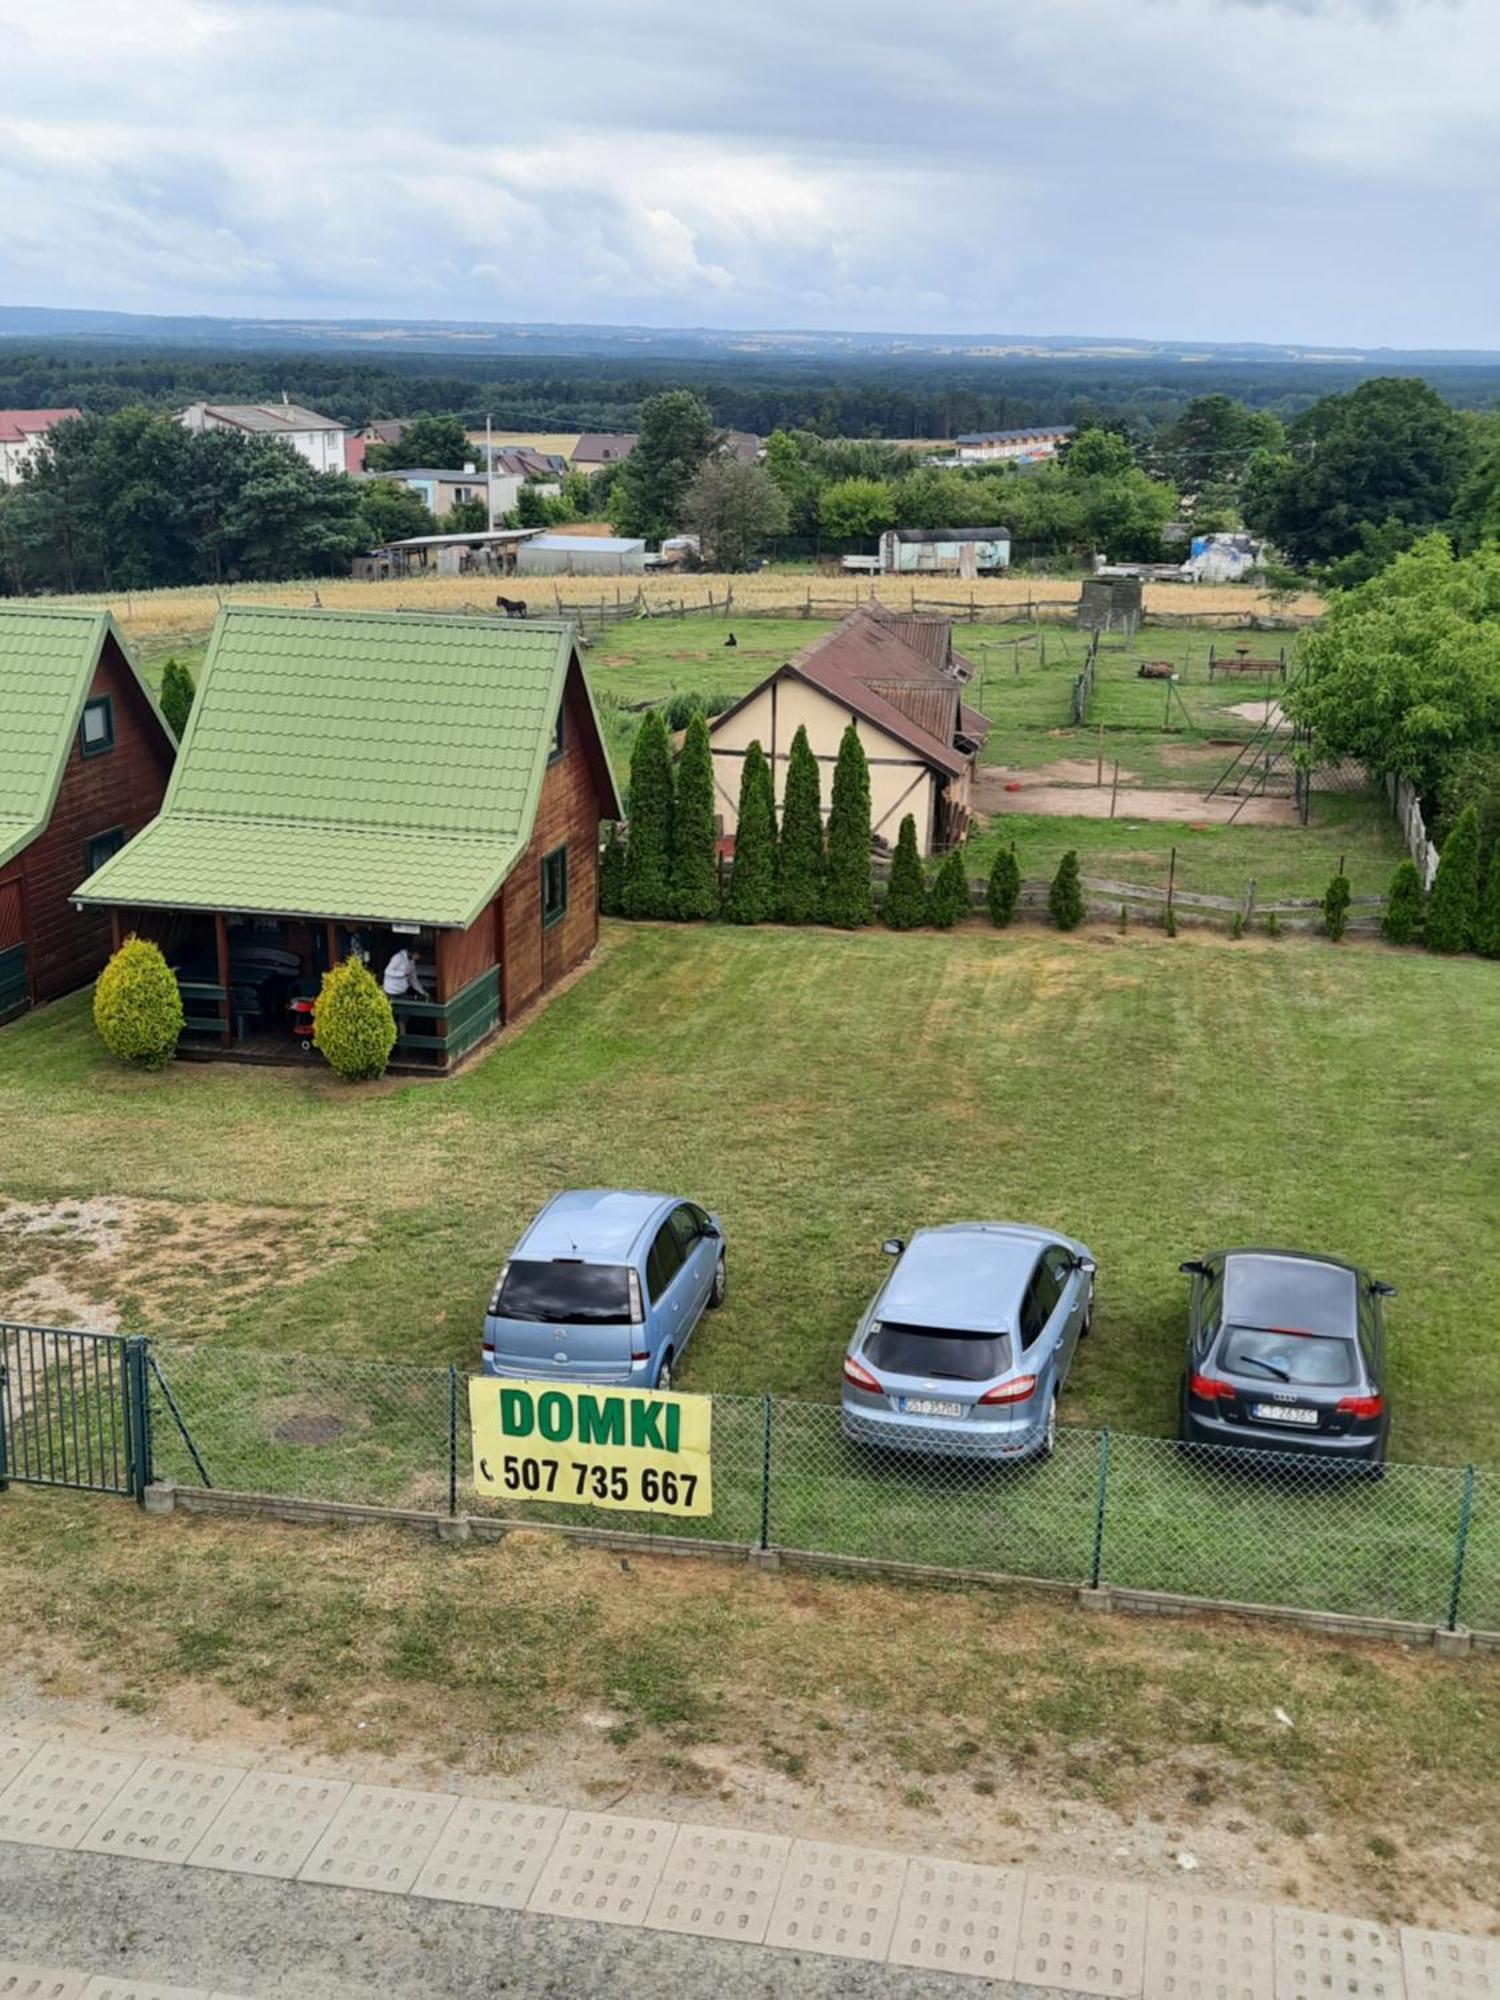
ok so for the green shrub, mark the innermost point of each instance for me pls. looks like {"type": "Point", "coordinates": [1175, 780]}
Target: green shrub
{"type": "Point", "coordinates": [1453, 906]}
{"type": "Point", "coordinates": [354, 1028]}
{"type": "Point", "coordinates": [1403, 904]}
{"type": "Point", "coordinates": [848, 896]}
{"type": "Point", "coordinates": [648, 853]}
{"type": "Point", "coordinates": [176, 696]}
{"type": "Point", "coordinates": [1004, 888]}
{"type": "Point", "coordinates": [695, 858]}
{"type": "Point", "coordinates": [1336, 907]}
{"type": "Point", "coordinates": [751, 898]}
{"type": "Point", "coordinates": [137, 1005]}
{"type": "Point", "coordinates": [905, 906]}
{"type": "Point", "coordinates": [1169, 921]}
{"type": "Point", "coordinates": [1065, 897]}
{"type": "Point", "coordinates": [1487, 928]}
{"type": "Point", "coordinates": [949, 900]}
{"type": "Point", "coordinates": [1273, 925]}
{"type": "Point", "coordinates": [612, 873]}
{"type": "Point", "coordinates": [1237, 925]}
{"type": "Point", "coordinates": [801, 863]}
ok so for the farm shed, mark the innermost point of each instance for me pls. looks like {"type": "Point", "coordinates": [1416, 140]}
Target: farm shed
{"type": "Point", "coordinates": [84, 761]}
{"type": "Point", "coordinates": [581, 555]}
{"type": "Point", "coordinates": [899, 681]}
{"type": "Point", "coordinates": [951, 551]}
{"type": "Point", "coordinates": [355, 785]}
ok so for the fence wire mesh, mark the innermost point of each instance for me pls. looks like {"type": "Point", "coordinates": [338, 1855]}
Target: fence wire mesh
{"type": "Point", "coordinates": [1417, 1543]}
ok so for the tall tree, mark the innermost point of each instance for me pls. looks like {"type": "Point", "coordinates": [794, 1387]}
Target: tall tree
{"type": "Point", "coordinates": [1212, 442]}
{"type": "Point", "coordinates": [734, 508]}
{"type": "Point", "coordinates": [389, 512]}
{"type": "Point", "coordinates": [288, 520]}
{"type": "Point", "coordinates": [695, 860]}
{"type": "Point", "coordinates": [802, 863]}
{"type": "Point", "coordinates": [676, 435]}
{"type": "Point", "coordinates": [852, 510]}
{"type": "Point", "coordinates": [751, 896]}
{"type": "Point", "coordinates": [905, 905]}
{"type": "Point", "coordinates": [612, 874]}
{"type": "Point", "coordinates": [1453, 906]}
{"type": "Point", "coordinates": [648, 852]}
{"type": "Point", "coordinates": [176, 696]}
{"type": "Point", "coordinates": [848, 896]}
{"type": "Point", "coordinates": [439, 442]}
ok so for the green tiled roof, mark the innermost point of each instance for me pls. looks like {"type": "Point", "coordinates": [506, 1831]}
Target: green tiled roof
{"type": "Point", "coordinates": [368, 766]}
{"type": "Point", "coordinates": [47, 662]}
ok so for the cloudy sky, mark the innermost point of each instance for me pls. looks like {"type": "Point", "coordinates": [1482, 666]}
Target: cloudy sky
{"type": "Point", "coordinates": [1323, 171]}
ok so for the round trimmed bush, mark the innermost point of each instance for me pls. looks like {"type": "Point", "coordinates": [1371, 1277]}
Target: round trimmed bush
{"type": "Point", "coordinates": [354, 1028]}
{"type": "Point", "coordinates": [137, 1007]}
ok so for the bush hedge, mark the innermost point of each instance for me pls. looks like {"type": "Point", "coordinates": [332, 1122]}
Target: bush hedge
{"type": "Point", "coordinates": [1403, 904]}
{"type": "Point", "coordinates": [905, 906]}
{"type": "Point", "coordinates": [849, 896]}
{"type": "Point", "coordinates": [1453, 906]}
{"type": "Point", "coordinates": [354, 1028]}
{"type": "Point", "coordinates": [802, 865]}
{"type": "Point", "coordinates": [751, 896]}
{"type": "Point", "coordinates": [137, 1005]}
{"type": "Point", "coordinates": [648, 853]}
{"type": "Point", "coordinates": [949, 901]}
{"type": "Point", "coordinates": [695, 857]}
{"type": "Point", "coordinates": [1003, 891]}
{"type": "Point", "coordinates": [176, 696]}
{"type": "Point", "coordinates": [1336, 899]}
{"type": "Point", "coordinates": [1065, 897]}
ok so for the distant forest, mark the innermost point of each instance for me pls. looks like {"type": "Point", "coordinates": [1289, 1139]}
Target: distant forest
{"type": "Point", "coordinates": [917, 395]}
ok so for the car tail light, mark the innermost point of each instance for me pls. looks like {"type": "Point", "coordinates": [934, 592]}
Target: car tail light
{"type": "Point", "coordinates": [1360, 1406]}
{"type": "Point", "coordinates": [1209, 1389]}
{"type": "Point", "coordinates": [640, 1355]}
{"type": "Point", "coordinates": [861, 1377]}
{"type": "Point", "coordinates": [488, 1346]}
{"type": "Point", "coordinates": [637, 1304]}
{"type": "Point", "coordinates": [494, 1305]}
{"type": "Point", "coordinates": [1010, 1392]}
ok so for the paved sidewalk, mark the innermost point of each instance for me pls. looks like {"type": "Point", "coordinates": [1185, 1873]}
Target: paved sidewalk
{"type": "Point", "coordinates": [311, 1885]}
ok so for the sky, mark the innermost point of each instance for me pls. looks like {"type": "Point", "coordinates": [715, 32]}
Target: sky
{"type": "Point", "coordinates": [1324, 172]}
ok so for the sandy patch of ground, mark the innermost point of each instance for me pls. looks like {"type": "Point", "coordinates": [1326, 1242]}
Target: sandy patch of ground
{"type": "Point", "coordinates": [1255, 711]}
{"type": "Point", "coordinates": [1037, 793]}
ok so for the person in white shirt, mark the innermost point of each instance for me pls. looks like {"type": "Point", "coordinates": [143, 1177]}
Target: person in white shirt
{"type": "Point", "coordinates": [401, 975]}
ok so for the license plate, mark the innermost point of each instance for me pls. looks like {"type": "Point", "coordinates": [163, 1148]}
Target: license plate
{"type": "Point", "coordinates": [1281, 1413]}
{"type": "Point", "coordinates": [927, 1406]}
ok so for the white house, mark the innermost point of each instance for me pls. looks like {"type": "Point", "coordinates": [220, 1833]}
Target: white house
{"type": "Point", "coordinates": [317, 439]}
{"type": "Point", "coordinates": [23, 433]}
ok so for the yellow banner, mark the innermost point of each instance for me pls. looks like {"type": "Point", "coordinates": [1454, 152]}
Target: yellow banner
{"type": "Point", "coordinates": [630, 1449]}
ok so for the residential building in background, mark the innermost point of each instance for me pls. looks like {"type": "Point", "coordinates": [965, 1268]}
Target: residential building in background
{"type": "Point", "coordinates": [320, 440]}
{"type": "Point", "coordinates": [596, 449]}
{"type": "Point", "coordinates": [23, 433]}
{"type": "Point", "coordinates": [439, 491]}
{"type": "Point", "coordinates": [1026, 446]}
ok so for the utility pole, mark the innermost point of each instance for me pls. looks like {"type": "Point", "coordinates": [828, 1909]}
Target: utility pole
{"type": "Point", "coordinates": [489, 472]}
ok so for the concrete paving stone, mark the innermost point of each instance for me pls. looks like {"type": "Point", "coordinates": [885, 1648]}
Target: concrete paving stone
{"type": "Point", "coordinates": [958, 1917]}
{"type": "Point", "coordinates": [379, 1839]}
{"type": "Point", "coordinates": [270, 1824]}
{"type": "Point", "coordinates": [837, 1899]}
{"type": "Point", "coordinates": [1337, 1958]}
{"type": "Point", "coordinates": [60, 1794]}
{"type": "Point", "coordinates": [163, 1810]}
{"type": "Point", "coordinates": [115, 1988]}
{"type": "Point", "coordinates": [38, 1982]}
{"type": "Point", "coordinates": [1084, 1936]}
{"type": "Point", "coordinates": [490, 1852]}
{"type": "Point", "coordinates": [1203, 1947]}
{"type": "Point", "coordinates": [719, 1882]}
{"type": "Point", "coordinates": [1441, 1963]}
{"type": "Point", "coordinates": [15, 1754]}
{"type": "Point", "coordinates": [603, 1867]}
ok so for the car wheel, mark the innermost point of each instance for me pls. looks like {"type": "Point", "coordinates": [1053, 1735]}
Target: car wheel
{"type": "Point", "coordinates": [664, 1372]}
{"type": "Point", "coordinates": [1049, 1435]}
{"type": "Point", "coordinates": [720, 1284]}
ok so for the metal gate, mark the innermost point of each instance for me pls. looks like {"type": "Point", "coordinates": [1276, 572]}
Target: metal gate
{"type": "Point", "coordinates": [74, 1410]}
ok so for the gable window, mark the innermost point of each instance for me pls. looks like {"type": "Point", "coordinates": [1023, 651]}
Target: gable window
{"type": "Point", "coordinates": [554, 886]}
{"type": "Point", "coordinates": [103, 845]}
{"type": "Point", "coordinates": [96, 732]}
{"type": "Point", "coordinates": [557, 738]}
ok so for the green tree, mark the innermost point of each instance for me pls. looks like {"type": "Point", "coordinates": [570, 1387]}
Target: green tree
{"type": "Point", "coordinates": [751, 896]}
{"type": "Point", "coordinates": [1487, 922]}
{"type": "Point", "coordinates": [390, 512]}
{"type": "Point", "coordinates": [905, 906]}
{"type": "Point", "coordinates": [695, 860]}
{"type": "Point", "coordinates": [1065, 897]}
{"type": "Point", "coordinates": [1403, 904]}
{"type": "Point", "coordinates": [176, 696]}
{"type": "Point", "coordinates": [612, 874]}
{"type": "Point", "coordinates": [1336, 906]}
{"type": "Point", "coordinates": [288, 520]}
{"type": "Point", "coordinates": [848, 897]}
{"type": "Point", "coordinates": [1476, 509]}
{"type": "Point", "coordinates": [789, 462]}
{"type": "Point", "coordinates": [803, 864]}
{"type": "Point", "coordinates": [1098, 454]}
{"type": "Point", "coordinates": [354, 1026]}
{"type": "Point", "coordinates": [137, 1005]}
{"type": "Point", "coordinates": [734, 508]}
{"type": "Point", "coordinates": [1211, 444]}
{"type": "Point", "coordinates": [856, 509]}
{"type": "Point", "coordinates": [1453, 906]}
{"type": "Point", "coordinates": [650, 490]}
{"type": "Point", "coordinates": [1003, 890]}
{"type": "Point", "coordinates": [441, 443]}
{"type": "Point", "coordinates": [950, 902]}
{"type": "Point", "coordinates": [648, 852]}
{"type": "Point", "coordinates": [467, 517]}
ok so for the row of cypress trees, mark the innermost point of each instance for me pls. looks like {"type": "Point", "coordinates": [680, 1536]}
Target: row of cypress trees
{"type": "Point", "coordinates": [1463, 911]}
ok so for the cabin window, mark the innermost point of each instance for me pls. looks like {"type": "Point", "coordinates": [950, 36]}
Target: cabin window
{"type": "Point", "coordinates": [96, 732]}
{"type": "Point", "coordinates": [557, 738]}
{"type": "Point", "coordinates": [554, 886]}
{"type": "Point", "coordinates": [103, 845]}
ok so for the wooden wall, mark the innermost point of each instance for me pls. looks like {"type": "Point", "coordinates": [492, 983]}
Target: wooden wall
{"type": "Point", "coordinates": [575, 795]}
{"type": "Point", "coordinates": [463, 955]}
{"type": "Point", "coordinates": [119, 787]}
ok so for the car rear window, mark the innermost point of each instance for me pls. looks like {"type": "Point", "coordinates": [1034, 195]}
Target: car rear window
{"type": "Point", "coordinates": [1310, 1360]}
{"type": "Point", "coordinates": [957, 1357]}
{"type": "Point", "coordinates": [570, 1293]}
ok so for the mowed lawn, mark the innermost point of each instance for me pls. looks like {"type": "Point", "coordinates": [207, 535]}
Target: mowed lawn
{"type": "Point", "coordinates": [820, 1091]}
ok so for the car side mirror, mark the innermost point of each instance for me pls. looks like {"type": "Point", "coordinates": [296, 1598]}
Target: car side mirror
{"type": "Point", "coordinates": [893, 1246]}
{"type": "Point", "coordinates": [1086, 1265]}
{"type": "Point", "coordinates": [1381, 1289]}
{"type": "Point", "coordinates": [1193, 1268]}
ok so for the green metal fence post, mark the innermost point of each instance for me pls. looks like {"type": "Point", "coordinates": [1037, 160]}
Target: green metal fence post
{"type": "Point", "coordinates": [765, 1472]}
{"type": "Point", "coordinates": [138, 1417]}
{"type": "Point", "coordinates": [452, 1440]}
{"type": "Point", "coordinates": [1460, 1555]}
{"type": "Point", "coordinates": [4, 1460]}
{"type": "Point", "coordinates": [1096, 1567]}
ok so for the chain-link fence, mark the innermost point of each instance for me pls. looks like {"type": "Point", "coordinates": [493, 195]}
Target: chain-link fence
{"type": "Point", "coordinates": [1408, 1542]}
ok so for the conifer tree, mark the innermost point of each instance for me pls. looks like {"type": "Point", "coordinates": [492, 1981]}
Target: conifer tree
{"type": "Point", "coordinates": [1065, 897]}
{"type": "Point", "coordinates": [905, 905]}
{"type": "Point", "coordinates": [1403, 904]}
{"type": "Point", "coordinates": [612, 873]}
{"type": "Point", "coordinates": [1487, 928]}
{"type": "Point", "coordinates": [949, 900]}
{"type": "Point", "coordinates": [848, 897]}
{"type": "Point", "coordinates": [751, 897]}
{"type": "Point", "coordinates": [695, 860]}
{"type": "Point", "coordinates": [801, 862]}
{"type": "Point", "coordinates": [648, 852]}
{"type": "Point", "coordinates": [1453, 906]}
{"type": "Point", "coordinates": [176, 696]}
{"type": "Point", "coordinates": [1004, 890]}
{"type": "Point", "coordinates": [1336, 906]}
